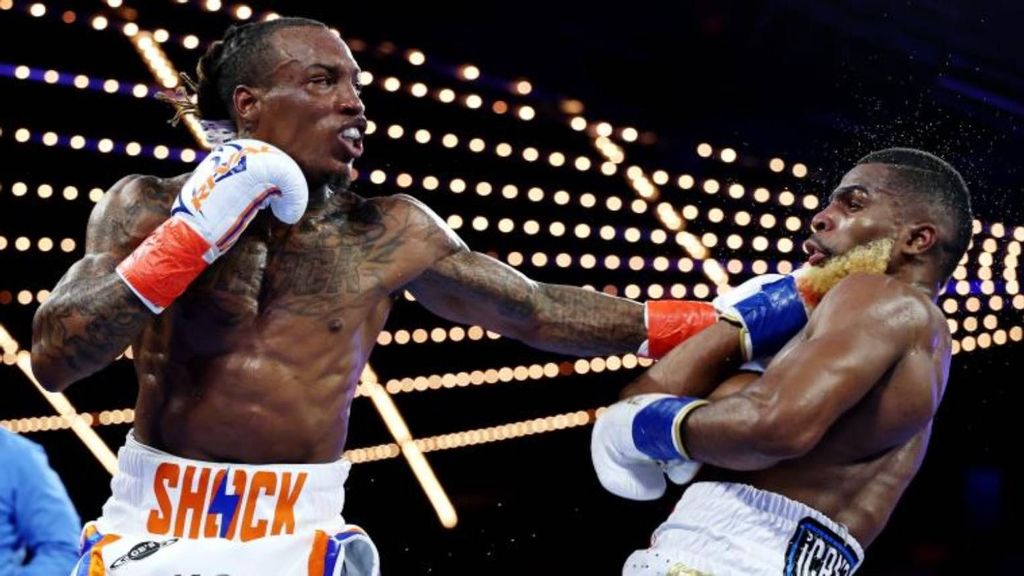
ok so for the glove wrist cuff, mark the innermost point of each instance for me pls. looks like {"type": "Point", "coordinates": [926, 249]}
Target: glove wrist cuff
{"type": "Point", "coordinates": [164, 265]}
{"type": "Point", "coordinates": [656, 427]}
{"type": "Point", "coordinates": [680, 420]}
{"type": "Point", "coordinates": [769, 317]}
{"type": "Point", "coordinates": [670, 322]}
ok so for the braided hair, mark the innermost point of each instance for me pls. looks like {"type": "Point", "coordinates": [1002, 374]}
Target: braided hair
{"type": "Point", "coordinates": [238, 58]}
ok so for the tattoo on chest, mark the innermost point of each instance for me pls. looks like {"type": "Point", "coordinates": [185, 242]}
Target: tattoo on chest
{"type": "Point", "coordinates": [314, 268]}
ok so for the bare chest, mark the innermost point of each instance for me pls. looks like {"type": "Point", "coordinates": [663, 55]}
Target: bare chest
{"type": "Point", "coordinates": [312, 272]}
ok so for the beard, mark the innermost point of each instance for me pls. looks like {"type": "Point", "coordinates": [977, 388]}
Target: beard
{"type": "Point", "coordinates": [871, 258]}
{"type": "Point", "coordinates": [339, 182]}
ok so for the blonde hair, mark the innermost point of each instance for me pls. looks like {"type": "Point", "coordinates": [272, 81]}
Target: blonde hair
{"type": "Point", "coordinates": [871, 258]}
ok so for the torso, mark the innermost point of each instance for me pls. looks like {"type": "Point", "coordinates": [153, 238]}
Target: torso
{"type": "Point", "coordinates": [861, 467]}
{"type": "Point", "coordinates": [259, 360]}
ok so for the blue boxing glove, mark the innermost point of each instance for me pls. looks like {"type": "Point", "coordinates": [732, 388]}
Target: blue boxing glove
{"type": "Point", "coordinates": [769, 309]}
{"type": "Point", "coordinates": [636, 443]}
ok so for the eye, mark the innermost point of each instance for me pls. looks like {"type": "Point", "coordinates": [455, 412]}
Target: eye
{"type": "Point", "coordinates": [321, 80]}
{"type": "Point", "coordinates": [358, 87]}
{"type": "Point", "coordinates": [853, 204]}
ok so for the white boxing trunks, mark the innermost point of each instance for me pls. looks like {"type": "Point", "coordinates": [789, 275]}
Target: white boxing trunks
{"type": "Point", "coordinates": [723, 529]}
{"type": "Point", "coordinates": [169, 516]}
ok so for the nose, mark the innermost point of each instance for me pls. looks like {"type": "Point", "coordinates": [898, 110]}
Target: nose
{"type": "Point", "coordinates": [822, 221]}
{"type": "Point", "coordinates": [349, 103]}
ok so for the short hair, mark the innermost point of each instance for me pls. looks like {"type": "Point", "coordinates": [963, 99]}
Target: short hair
{"type": "Point", "coordinates": [936, 185]}
{"type": "Point", "coordinates": [238, 58]}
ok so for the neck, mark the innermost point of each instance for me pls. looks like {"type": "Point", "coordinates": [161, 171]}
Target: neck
{"type": "Point", "coordinates": [325, 202]}
{"type": "Point", "coordinates": [921, 277]}
{"type": "Point", "coordinates": [319, 197]}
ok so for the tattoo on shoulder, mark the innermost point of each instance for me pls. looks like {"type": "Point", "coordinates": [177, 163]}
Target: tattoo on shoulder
{"type": "Point", "coordinates": [349, 263]}
{"type": "Point", "coordinates": [141, 205]}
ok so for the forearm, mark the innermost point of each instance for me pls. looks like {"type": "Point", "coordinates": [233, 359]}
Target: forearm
{"type": "Point", "coordinates": [695, 367]}
{"type": "Point", "coordinates": [82, 327]}
{"type": "Point", "coordinates": [581, 322]}
{"type": "Point", "coordinates": [736, 433]}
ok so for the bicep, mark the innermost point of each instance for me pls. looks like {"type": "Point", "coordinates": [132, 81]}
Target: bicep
{"type": "Point", "coordinates": [822, 377]}
{"type": "Point", "coordinates": [119, 222]}
{"type": "Point", "coordinates": [128, 212]}
{"type": "Point", "coordinates": [848, 349]}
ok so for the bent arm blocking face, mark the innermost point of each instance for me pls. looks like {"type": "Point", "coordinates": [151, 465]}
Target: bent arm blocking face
{"type": "Point", "coordinates": [859, 333]}
{"type": "Point", "coordinates": [91, 315]}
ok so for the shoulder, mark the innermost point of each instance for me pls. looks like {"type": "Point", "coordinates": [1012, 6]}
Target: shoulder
{"type": "Point", "coordinates": [407, 204]}
{"type": "Point", "coordinates": [882, 301]}
{"type": "Point", "coordinates": [137, 191]}
{"type": "Point", "coordinates": [135, 187]}
{"type": "Point", "coordinates": [419, 219]}
{"type": "Point", "coordinates": [132, 208]}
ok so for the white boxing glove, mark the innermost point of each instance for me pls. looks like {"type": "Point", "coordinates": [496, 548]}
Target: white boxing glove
{"type": "Point", "coordinates": [635, 443]}
{"type": "Point", "coordinates": [232, 184]}
{"type": "Point", "coordinates": [225, 192]}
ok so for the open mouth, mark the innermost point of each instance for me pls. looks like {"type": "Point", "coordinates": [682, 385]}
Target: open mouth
{"type": "Point", "coordinates": [351, 139]}
{"type": "Point", "coordinates": [815, 252]}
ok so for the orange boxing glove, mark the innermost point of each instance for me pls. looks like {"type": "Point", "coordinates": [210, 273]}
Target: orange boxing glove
{"type": "Point", "coordinates": [669, 322]}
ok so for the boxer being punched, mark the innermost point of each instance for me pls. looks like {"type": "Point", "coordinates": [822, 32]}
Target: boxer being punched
{"type": "Point", "coordinates": [805, 462]}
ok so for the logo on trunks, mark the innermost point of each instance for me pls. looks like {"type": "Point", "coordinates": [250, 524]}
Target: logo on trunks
{"type": "Point", "coordinates": [227, 165]}
{"type": "Point", "coordinates": [194, 502]}
{"type": "Point", "coordinates": [814, 550]}
{"type": "Point", "coordinates": [140, 551]}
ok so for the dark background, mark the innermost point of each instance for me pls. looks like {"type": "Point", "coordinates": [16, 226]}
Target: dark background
{"type": "Point", "coordinates": [820, 83]}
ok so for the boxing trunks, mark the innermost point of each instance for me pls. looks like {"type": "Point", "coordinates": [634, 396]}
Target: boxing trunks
{"type": "Point", "coordinates": [172, 516]}
{"type": "Point", "coordinates": [725, 529]}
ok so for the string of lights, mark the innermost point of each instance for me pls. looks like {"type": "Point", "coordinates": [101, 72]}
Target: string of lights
{"type": "Point", "coordinates": [103, 145]}
{"type": "Point", "coordinates": [672, 218]}
{"type": "Point", "coordinates": [521, 373]}
{"type": "Point", "coordinates": [479, 436]}
{"type": "Point", "coordinates": [467, 72]}
{"type": "Point", "coordinates": [79, 81]}
{"type": "Point", "coordinates": [45, 190]}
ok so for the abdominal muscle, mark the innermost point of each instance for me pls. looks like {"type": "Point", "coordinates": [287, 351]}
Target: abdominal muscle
{"type": "Point", "coordinates": [277, 390]}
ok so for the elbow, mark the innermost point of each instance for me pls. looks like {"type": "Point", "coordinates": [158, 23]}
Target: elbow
{"type": "Point", "coordinates": [49, 367]}
{"type": "Point", "coordinates": [47, 373]}
{"type": "Point", "coordinates": [531, 332]}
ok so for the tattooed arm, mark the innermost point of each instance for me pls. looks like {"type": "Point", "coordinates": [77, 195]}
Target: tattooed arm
{"type": "Point", "coordinates": [473, 288]}
{"type": "Point", "coordinates": [92, 316]}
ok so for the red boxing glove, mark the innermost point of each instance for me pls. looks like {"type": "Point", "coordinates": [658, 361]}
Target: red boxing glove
{"type": "Point", "coordinates": [669, 322]}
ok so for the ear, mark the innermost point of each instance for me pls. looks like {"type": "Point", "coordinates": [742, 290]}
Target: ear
{"type": "Point", "coordinates": [919, 238]}
{"type": "Point", "coordinates": [247, 107]}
